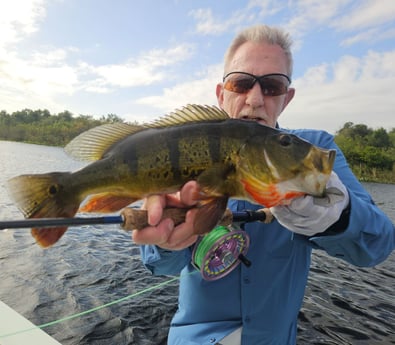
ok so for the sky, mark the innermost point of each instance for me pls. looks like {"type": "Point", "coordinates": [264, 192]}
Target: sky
{"type": "Point", "coordinates": [143, 59]}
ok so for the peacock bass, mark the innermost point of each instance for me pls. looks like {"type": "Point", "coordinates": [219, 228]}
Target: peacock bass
{"type": "Point", "coordinates": [227, 157]}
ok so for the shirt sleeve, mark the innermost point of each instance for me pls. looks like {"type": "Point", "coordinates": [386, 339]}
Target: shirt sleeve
{"type": "Point", "coordinates": [164, 262]}
{"type": "Point", "coordinates": [369, 237]}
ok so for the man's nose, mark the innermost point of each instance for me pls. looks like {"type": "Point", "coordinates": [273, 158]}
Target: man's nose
{"type": "Point", "coordinates": [255, 96]}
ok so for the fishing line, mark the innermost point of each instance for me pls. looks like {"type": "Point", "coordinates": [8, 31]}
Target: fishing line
{"type": "Point", "coordinates": [73, 316]}
{"type": "Point", "coordinates": [207, 242]}
{"type": "Point", "coordinates": [214, 255]}
{"type": "Point", "coordinates": [220, 251]}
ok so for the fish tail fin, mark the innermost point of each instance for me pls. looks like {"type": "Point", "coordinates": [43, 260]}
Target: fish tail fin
{"type": "Point", "coordinates": [45, 196]}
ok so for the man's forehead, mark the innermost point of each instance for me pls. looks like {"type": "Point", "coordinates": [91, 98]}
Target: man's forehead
{"type": "Point", "coordinates": [258, 58]}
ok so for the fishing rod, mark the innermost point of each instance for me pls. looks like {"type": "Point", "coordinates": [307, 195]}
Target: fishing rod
{"type": "Point", "coordinates": [131, 219]}
{"type": "Point", "coordinates": [215, 254]}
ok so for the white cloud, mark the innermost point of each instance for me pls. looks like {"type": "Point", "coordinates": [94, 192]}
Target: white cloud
{"type": "Point", "coordinates": [309, 14]}
{"type": "Point", "coordinates": [360, 90]}
{"type": "Point", "coordinates": [201, 91]}
{"type": "Point", "coordinates": [315, 75]}
{"type": "Point", "coordinates": [366, 14]}
{"type": "Point", "coordinates": [205, 22]}
{"type": "Point", "coordinates": [35, 81]}
{"type": "Point", "coordinates": [209, 24]}
{"type": "Point", "coordinates": [18, 19]}
{"type": "Point", "coordinates": [145, 70]}
{"type": "Point", "coordinates": [371, 35]}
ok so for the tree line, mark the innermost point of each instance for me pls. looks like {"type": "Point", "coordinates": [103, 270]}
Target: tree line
{"type": "Point", "coordinates": [42, 127]}
{"type": "Point", "coordinates": [369, 152]}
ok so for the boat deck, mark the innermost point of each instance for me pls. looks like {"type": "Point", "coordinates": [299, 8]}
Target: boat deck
{"type": "Point", "coordinates": [20, 330]}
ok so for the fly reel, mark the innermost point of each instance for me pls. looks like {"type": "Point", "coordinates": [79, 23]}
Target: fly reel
{"type": "Point", "coordinates": [220, 251]}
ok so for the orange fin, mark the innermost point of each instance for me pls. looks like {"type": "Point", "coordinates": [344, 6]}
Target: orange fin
{"type": "Point", "coordinates": [106, 202]}
{"type": "Point", "coordinates": [267, 194]}
{"type": "Point", "coordinates": [46, 237]}
{"type": "Point", "coordinates": [209, 214]}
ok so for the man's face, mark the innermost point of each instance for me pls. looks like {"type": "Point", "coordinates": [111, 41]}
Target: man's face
{"type": "Point", "coordinates": [257, 59]}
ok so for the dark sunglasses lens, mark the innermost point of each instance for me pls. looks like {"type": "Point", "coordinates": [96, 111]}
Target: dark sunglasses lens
{"type": "Point", "coordinates": [274, 85]}
{"type": "Point", "coordinates": [239, 84]}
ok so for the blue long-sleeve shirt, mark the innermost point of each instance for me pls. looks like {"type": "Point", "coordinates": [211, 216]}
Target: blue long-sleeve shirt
{"type": "Point", "coordinates": [265, 298]}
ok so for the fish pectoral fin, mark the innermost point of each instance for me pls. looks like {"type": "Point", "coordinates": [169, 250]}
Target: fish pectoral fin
{"type": "Point", "coordinates": [217, 180]}
{"type": "Point", "coordinates": [106, 203]}
{"type": "Point", "coordinates": [266, 194]}
{"type": "Point", "coordinates": [209, 214]}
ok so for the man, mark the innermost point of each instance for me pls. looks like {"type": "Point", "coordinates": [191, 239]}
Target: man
{"type": "Point", "coordinates": [260, 304]}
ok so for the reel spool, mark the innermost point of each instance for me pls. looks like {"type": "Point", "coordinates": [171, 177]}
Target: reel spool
{"type": "Point", "coordinates": [220, 251]}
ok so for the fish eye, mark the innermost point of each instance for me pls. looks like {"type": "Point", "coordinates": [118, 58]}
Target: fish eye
{"type": "Point", "coordinates": [53, 189]}
{"type": "Point", "coordinates": [285, 140]}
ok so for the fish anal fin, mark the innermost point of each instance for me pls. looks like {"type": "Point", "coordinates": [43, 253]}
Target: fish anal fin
{"type": "Point", "coordinates": [209, 214]}
{"type": "Point", "coordinates": [106, 203]}
{"type": "Point", "coordinates": [47, 237]}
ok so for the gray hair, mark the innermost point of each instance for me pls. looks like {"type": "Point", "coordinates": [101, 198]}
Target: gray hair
{"type": "Point", "coordinates": [258, 34]}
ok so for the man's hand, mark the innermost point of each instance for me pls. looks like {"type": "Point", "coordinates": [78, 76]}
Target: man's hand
{"type": "Point", "coordinates": [308, 215]}
{"type": "Point", "coordinates": [162, 232]}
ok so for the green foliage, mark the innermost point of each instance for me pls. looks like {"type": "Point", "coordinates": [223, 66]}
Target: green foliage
{"type": "Point", "coordinates": [41, 127]}
{"type": "Point", "coordinates": [370, 152]}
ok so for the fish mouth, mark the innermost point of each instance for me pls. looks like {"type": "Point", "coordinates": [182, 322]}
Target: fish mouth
{"type": "Point", "coordinates": [313, 182]}
{"type": "Point", "coordinates": [331, 158]}
{"type": "Point", "coordinates": [318, 177]}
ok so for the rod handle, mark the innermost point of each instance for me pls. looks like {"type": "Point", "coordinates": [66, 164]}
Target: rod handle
{"type": "Point", "coordinates": [137, 219]}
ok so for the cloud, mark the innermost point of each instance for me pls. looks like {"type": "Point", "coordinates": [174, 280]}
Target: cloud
{"type": "Point", "coordinates": [200, 90]}
{"type": "Point", "coordinates": [352, 89]}
{"type": "Point", "coordinates": [366, 14]}
{"type": "Point", "coordinates": [308, 14]}
{"type": "Point", "coordinates": [147, 69]}
{"type": "Point", "coordinates": [18, 19]}
{"type": "Point", "coordinates": [370, 36]}
{"type": "Point", "coordinates": [41, 76]}
{"type": "Point", "coordinates": [209, 24]}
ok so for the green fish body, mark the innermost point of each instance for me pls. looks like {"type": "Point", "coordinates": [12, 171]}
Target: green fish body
{"type": "Point", "coordinates": [227, 157]}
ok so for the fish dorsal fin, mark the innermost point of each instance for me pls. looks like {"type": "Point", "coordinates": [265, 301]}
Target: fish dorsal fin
{"type": "Point", "coordinates": [188, 114]}
{"type": "Point", "coordinates": [92, 144]}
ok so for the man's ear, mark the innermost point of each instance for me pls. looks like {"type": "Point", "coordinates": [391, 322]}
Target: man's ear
{"type": "Point", "coordinates": [288, 97]}
{"type": "Point", "coordinates": [219, 91]}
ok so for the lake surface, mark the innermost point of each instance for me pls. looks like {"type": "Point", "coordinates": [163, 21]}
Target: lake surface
{"type": "Point", "coordinates": [96, 265]}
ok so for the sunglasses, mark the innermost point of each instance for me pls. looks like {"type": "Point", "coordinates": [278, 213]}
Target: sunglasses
{"type": "Point", "coordinates": [274, 84]}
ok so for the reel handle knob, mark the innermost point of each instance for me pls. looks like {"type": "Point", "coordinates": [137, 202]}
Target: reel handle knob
{"type": "Point", "coordinates": [243, 259]}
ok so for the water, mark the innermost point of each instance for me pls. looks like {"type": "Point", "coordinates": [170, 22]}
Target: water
{"type": "Point", "coordinates": [92, 266]}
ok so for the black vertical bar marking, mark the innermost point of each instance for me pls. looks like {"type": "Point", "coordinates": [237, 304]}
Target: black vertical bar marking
{"type": "Point", "coordinates": [214, 142]}
{"type": "Point", "coordinates": [174, 152]}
